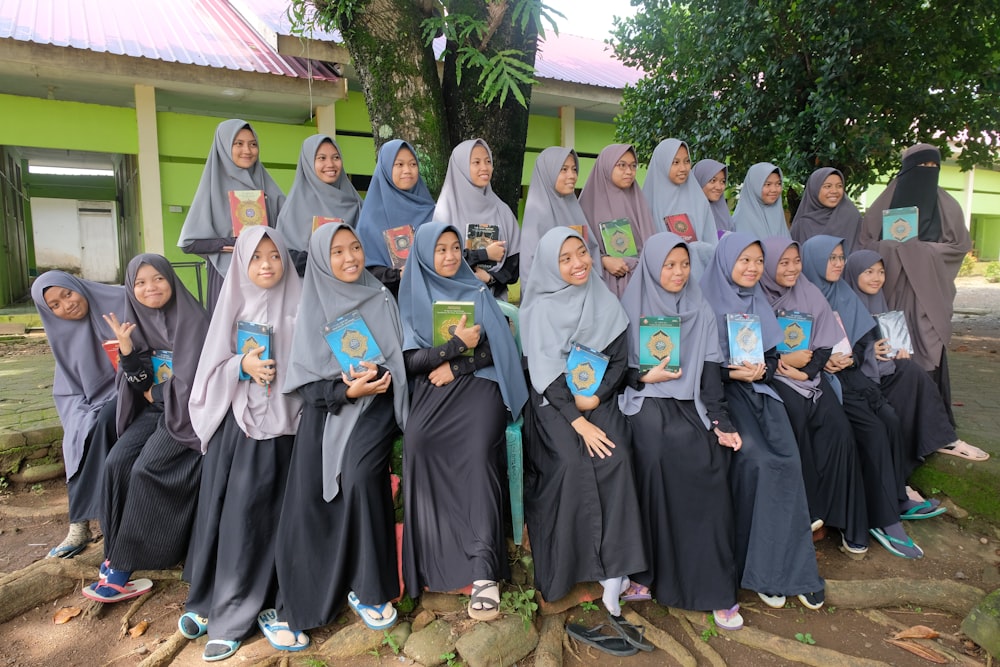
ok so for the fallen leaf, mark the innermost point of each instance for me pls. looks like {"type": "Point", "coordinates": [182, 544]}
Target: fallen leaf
{"type": "Point", "coordinates": [920, 651]}
{"type": "Point", "coordinates": [64, 614]}
{"type": "Point", "coordinates": [138, 629]}
{"type": "Point", "coordinates": [917, 632]}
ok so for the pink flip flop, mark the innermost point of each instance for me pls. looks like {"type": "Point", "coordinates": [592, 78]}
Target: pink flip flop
{"type": "Point", "coordinates": [636, 593]}
{"type": "Point", "coordinates": [964, 450]}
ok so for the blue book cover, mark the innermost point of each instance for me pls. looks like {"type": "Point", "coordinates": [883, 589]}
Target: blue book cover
{"type": "Point", "coordinates": [796, 330]}
{"type": "Point", "coordinates": [746, 343]}
{"type": "Point", "coordinates": [585, 369]}
{"type": "Point", "coordinates": [250, 336]}
{"type": "Point", "coordinates": [351, 341]}
{"type": "Point", "coordinates": [900, 224]}
{"type": "Point", "coordinates": [163, 365]}
{"type": "Point", "coordinates": [659, 337]}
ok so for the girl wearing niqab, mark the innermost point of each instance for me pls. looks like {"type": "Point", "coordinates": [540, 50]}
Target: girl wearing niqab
{"type": "Point", "coordinates": [233, 164]}
{"type": "Point", "coordinates": [712, 176]}
{"type": "Point", "coordinates": [825, 209]}
{"type": "Point", "coordinates": [321, 188]}
{"type": "Point", "coordinates": [759, 211]}
{"type": "Point", "coordinates": [83, 389]}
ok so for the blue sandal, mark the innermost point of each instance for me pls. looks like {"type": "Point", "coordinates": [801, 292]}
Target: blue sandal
{"type": "Point", "coordinates": [192, 625]}
{"type": "Point", "coordinates": [219, 649]}
{"type": "Point", "coordinates": [271, 626]}
{"type": "Point", "coordinates": [66, 551]}
{"type": "Point", "coordinates": [362, 610]}
{"type": "Point", "coordinates": [924, 510]}
{"type": "Point", "coordinates": [890, 542]}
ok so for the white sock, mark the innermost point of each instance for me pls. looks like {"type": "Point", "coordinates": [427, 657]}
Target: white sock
{"type": "Point", "coordinates": [612, 591]}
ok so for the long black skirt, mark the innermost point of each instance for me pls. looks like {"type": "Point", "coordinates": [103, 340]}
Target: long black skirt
{"type": "Point", "coordinates": [774, 550]}
{"type": "Point", "coordinates": [582, 511]}
{"type": "Point", "coordinates": [230, 561]}
{"type": "Point", "coordinates": [454, 455]}
{"type": "Point", "coordinates": [682, 479]}
{"type": "Point", "coordinates": [86, 487]}
{"type": "Point", "coordinates": [325, 549]}
{"type": "Point", "coordinates": [923, 420]}
{"type": "Point", "coordinates": [151, 489]}
{"type": "Point", "coordinates": [830, 467]}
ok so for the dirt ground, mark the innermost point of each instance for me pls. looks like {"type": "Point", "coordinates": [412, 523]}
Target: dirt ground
{"type": "Point", "coordinates": [32, 520]}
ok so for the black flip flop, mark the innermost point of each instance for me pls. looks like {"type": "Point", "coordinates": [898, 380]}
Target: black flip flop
{"type": "Point", "coordinates": [633, 634]}
{"type": "Point", "coordinates": [610, 644]}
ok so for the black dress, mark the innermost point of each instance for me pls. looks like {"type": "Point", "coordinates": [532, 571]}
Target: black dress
{"type": "Point", "coordinates": [230, 561]}
{"type": "Point", "coordinates": [682, 479]}
{"type": "Point", "coordinates": [454, 466]}
{"type": "Point", "coordinates": [327, 549]}
{"type": "Point", "coordinates": [582, 511]}
{"type": "Point", "coordinates": [86, 487]}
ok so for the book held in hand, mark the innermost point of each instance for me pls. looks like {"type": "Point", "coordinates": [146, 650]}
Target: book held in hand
{"type": "Point", "coordinates": [680, 224]}
{"type": "Point", "coordinates": [746, 343]}
{"type": "Point", "coordinates": [163, 365]}
{"type": "Point", "coordinates": [796, 330]}
{"type": "Point", "coordinates": [446, 317]}
{"type": "Point", "coordinates": [844, 346]}
{"type": "Point", "coordinates": [111, 349]}
{"type": "Point", "coordinates": [351, 341]}
{"type": "Point", "coordinates": [250, 336]}
{"type": "Point", "coordinates": [619, 241]}
{"type": "Point", "coordinates": [320, 220]}
{"type": "Point", "coordinates": [247, 209]}
{"type": "Point", "coordinates": [892, 326]}
{"type": "Point", "coordinates": [659, 338]}
{"type": "Point", "coordinates": [478, 237]}
{"type": "Point", "coordinates": [900, 224]}
{"type": "Point", "coordinates": [398, 241]}
{"type": "Point", "coordinates": [585, 369]}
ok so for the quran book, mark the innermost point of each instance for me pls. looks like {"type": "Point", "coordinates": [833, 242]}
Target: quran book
{"type": "Point", "coordinates": [446, 317]}
{"type": "Point", "coordinates": [659, 338]}
{"type": "Point", "coordinates": [619, 241]}
{"type": "Point", "coordinates": [398, 241]}
{"type": "Point", "coordinates": [844, 346]}
{"type": "Point", "coordinates": [680, 224]}
{"type": "Point", "coordinates": [247, 209]}
{"type": "Point", "coordinates": [111, 349]}
{"type": "Point", "coordinates": [319, 221]}
{"type": "Point", "coordinates": [900, 224]}
{"type": "Point", "coordinates": [796, 330]}
{"type": "Point", "coordinates": [478, 237]}
{"type": "Point", "coordinates": [579, 229]}
{"type": "Point", "coordinates": [585, 369]}
{"type": "Point", "coordinates": [250, 336]}
{"type": "Point", "coordinates": [892, 326]}
{"type": "Point", "coordinates": [746, 344]}
{"type": "Point", "coordinates": [163, 365]}
{"type": "Point", "coordinates": [351, 341]}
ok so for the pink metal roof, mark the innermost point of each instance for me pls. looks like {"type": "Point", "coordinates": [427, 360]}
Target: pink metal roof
{"type": "Point", "coordinates": [582, 60]}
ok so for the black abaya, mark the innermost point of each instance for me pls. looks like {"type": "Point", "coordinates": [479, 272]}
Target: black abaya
{"type": "Point", "coordinates": [86, 488]}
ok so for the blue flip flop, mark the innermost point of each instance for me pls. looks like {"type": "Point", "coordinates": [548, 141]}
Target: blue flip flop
{"type": "Point", "coordinates": [361, 610]}
{"type": "Point", "coordinates": [219, 649]}
{"type": "Point", "coordinates": [67, 551]}
{"type": "Point", "coordinates": [192, 625]}
{"type": "Point", "coordinates": [269, 624]}
{"type": "Point", "coordinates": [890, 542]}
{"type": "Point", "coordinates": [924, 510]}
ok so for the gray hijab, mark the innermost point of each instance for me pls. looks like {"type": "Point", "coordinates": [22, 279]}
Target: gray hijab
{"type": "Point", "coordinates": [752, 215]}
{"type": "Point", "coordinates": [209, 216]}
{"type": "Point", "coordinates": [310, 197]}
{"type": "Point", "coordinates": [704, 171]}
{"type": "Point", "coordinates": [324, 299]}
{"type": "Point", "coordinates": [555, 314]}
{"type": "Point", "coordinates": [814, 218]}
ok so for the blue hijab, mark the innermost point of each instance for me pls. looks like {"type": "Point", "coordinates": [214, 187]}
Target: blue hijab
{"type": "Point", "coordinates": [854, 315]}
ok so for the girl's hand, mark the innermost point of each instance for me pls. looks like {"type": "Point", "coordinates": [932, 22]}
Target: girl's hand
{"type": "Point", "coordinates": [441, 375]}
{"type": "Point", "coordinates": [364, 380]}
{"type": "Point", "coordinates": [261, 371]}
{"type": "Point", "coordinates": [148, 394]}
{"type": "Point", "coordinates": [747, 372]}
{"type": "Point", "coordinates": [731, 440]}
{"type": "Point", "coordinates": [837, 362]}
{"type": "Point", "coordinates": [469, 335]}
{"type": "Point", "coordinates": [790, 371]}
{"type": "Point", "coordinates": [902, 353]}
{"type": "Point", "coordinates": [482, 274]}
{"type": "Point", "coordinates": [586, 403]}
{"type": "Point", "coordinates": [797, 359]}
{"type": "Point", "coordinates": [616, 266]}
{"type": "Point", "coordinates": [123, 332]}
{"type": "Point", "coordinates": [660, 373]}
{"type": "Point", "coordinates": [597, 441]}
{"type": "Point", "coordinates": [883, 350]}
{"type": "Point", "coordinates": [496, 250]}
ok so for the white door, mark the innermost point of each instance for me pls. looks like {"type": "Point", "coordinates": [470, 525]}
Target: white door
{"type": "Point", "coordinates": [98, 241]}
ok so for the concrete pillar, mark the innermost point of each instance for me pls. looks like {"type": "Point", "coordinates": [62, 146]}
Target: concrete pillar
{"type": "Point", "coordinates": [326, 120]}
{"type": "Point", "coordinates": [567, 126]}
{"type": "Point", "coordinates": [150, 200]}
{"type": "Point", "coordinates": [970, 188]}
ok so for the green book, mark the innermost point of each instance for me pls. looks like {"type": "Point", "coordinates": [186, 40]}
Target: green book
{"type": "Point", "coordinates": [446, 317]}
{"type": "Point", "coordinates": [659, 338]}
{"type": "Point", "coordinates": [619, 241]}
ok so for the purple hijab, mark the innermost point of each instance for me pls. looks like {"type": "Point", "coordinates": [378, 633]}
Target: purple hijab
{"type": "Point", "coordinates": [814, 218]}
{"type": "Point", "coordinates": [704, 171]}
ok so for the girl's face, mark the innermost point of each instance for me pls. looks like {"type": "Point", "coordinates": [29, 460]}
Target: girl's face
{"type": "Point", "coordinates": [65, 303]}
{"type": "Point", "coordinates": [871, 279]}
{"type": "Point", "coordinates": [266, 268]}
{"type": "Point", "coordinates": [715, 187]}
{"type": "Point", "coordinates": [574, 261]}
{"type": "Point", "coordinates": [789, 267]}
{"type": "Point", "coordinates": [832, 191]}
{"type": "Point", "coordinates": [405, 170]}
{"type": "Point", "coordinates": [152, 289]}
{"type": "Point", "coordinates": [480, 166]}
{"type": "Point", "coordinates": [749, 266]}
{"type": "Point", "coordinates": [347, 257]}
{"type": "Point", "coordinates": [676, 270]}
{"type": "Point", "coordinates": [566, 180]}
{"type": "Point", "coordinates": [771, 190]}
{"type": "Point", "coordinates": [835, 264]}
{"type": "Point", "coordinates": [680, 168]}
{"type": "Point", "coordinates": [245, 149]}
{"type": "Point", "coordinates": [327, 164]}
{"type": "Point", "coordinates": [623, 173]}
{"type": "Point", "coordinates": [447, 255]}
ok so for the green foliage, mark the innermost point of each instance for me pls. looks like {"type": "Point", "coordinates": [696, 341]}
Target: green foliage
{"type": "Point", "coordinates": [406, 604]}
{"type": "Point", "coordinates": [968, 264]}
{"type": "Point", "coordinates": [711, 630]}
{"type": "Point", "coordinates": [388, 639]}
{"type": "Point", "coordinates": [38, 489]}
{"type": "Point", "coordinates": [449, 659]}
{"type": "Point", "coordinates": [992, 272]}
{"type": "Point", "coordinates": [314, 662]}
{"type": "Point", "coordinates": [519, 602]}
{"type": "Point", "coordinates": [589, 605]}
{"type": "Point", "coordinates": [829, 82]}
{"type": "Point", "coordinates": [806, 638]}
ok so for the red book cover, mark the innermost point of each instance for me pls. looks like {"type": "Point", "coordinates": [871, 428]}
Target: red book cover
{"type": "Point", "coordinates": [246, 208]}
{"type": "Point", "coordinates": [319, 221]}
{"type": "Point", "coordinates": [680, 224]}
{"type": "Point", "coordinates": [398, 240]}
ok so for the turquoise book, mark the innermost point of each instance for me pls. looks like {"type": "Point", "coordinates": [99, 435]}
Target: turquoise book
{"type": "Point", "coordinates": [250, 336]}
{"type": "Point", "coordinates": [585, 369]}
{"type": "Point", "coordinates": [659, 338]}
{"type": "Point", "coordinates": [900, 224]}
{"type": "Point", "coordinates": [746, 344]}
{"type": "Point", "coordinates": [351, 341]}
{"type": "Point", "coordinates": [163, 365]}
{"type": "Point", "coordinates": [796, 330]}
{"type": "Point", "coordinates": [619, 241]}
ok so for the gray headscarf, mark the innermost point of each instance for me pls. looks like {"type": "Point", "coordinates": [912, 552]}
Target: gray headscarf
{"type": "Point", "coordinates": [752, 215]}
{"type": "Point", "coordinates": [814, 218]}
{"type": "Point", "coordinates": [324, 299]}
{"type": "Point", "coordinates": [704, 171]}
